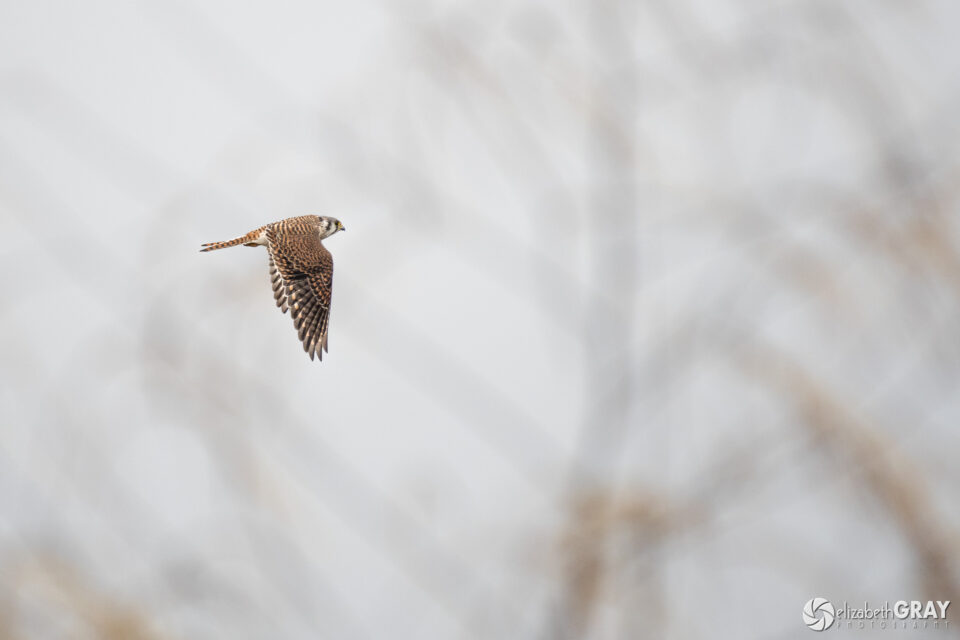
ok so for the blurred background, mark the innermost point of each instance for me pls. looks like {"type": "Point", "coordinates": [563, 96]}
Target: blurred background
{"type": "Point", "coordinates": [645, 324]}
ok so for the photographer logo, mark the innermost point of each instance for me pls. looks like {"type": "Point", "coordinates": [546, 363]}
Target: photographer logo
{"type": "Point", "coordinates": [818, 614]}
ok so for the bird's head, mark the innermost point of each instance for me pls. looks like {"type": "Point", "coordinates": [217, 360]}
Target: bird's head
{"type": "Point", "coordinates": [329, 226]}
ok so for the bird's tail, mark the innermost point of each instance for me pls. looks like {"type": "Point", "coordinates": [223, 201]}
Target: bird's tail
{"type": "Point", "coordinates": [252, 239]}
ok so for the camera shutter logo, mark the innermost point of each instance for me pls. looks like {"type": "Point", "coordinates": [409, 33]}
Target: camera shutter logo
{"type": "Point", "coordinates": [818, 614]}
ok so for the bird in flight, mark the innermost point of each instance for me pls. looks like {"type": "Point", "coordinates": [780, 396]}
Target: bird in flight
{"type": "Point", "coordinates": [301, 270]}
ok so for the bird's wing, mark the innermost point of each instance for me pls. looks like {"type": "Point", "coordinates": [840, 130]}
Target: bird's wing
{"type": "Point", "coordinates": [302, 272]}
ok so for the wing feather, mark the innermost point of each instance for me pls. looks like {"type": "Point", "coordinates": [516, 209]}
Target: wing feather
{"type": "Point", "coordinates": [279, 288]}
{"type": "Point", "coordinates": [301, 271]}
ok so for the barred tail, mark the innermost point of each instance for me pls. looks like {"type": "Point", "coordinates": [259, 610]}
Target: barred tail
{"type": "Point", "coordinates": [252, 239]}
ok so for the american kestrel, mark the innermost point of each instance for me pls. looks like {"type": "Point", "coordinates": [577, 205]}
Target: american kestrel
{"type": "Point", "coordinates": [301, 270]}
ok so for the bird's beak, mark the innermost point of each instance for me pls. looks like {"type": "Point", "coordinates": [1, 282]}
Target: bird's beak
{"type": "Point", "coordinates": [342, 228]}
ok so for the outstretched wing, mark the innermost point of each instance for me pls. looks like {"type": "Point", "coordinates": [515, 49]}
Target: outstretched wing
{"type": "Point", "coordinates": [301, 270]}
